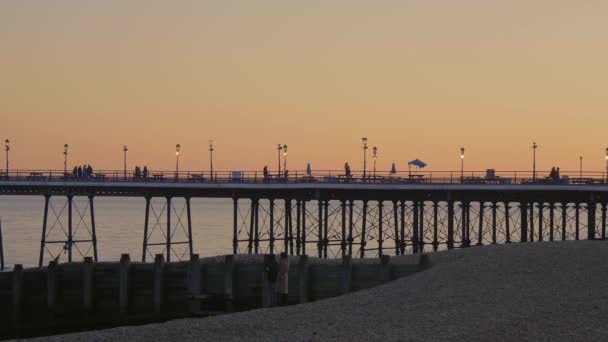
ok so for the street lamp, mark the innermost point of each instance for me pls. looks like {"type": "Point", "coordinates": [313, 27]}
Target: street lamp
{"type": "Point", "coordinates": [279, 149]}
{"type": "Point", "coordinates": [285, 160]}
{"type": "Point", "coordinates": [211, 159]}
{"type": "Point", "coordinates": [461, 164]}
{"type": "Point", "coordinates": [124, 150]}
{"type": "Point", "coordinates": [580, 167]}
{"type": "Point", "coordinates": [364, 140]}
{"type": "Point", "coordinates": [177, 150]}
{"type": "Point", "coordinates": [375, 149]}
{"type": "Point", "coordinates": [7, 148]}
{"type": "Point", "coordinates": [534, 147]}
{"type": "Point", "coordinates": [606, 164]}
{"type": "Point", "coordinates": [65, 159]}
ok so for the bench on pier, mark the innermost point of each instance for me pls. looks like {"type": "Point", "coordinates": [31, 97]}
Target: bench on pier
{"type": "Point", "coordinates": [196, 178]}
{"type": "Point", "coordinates": [36, 176]}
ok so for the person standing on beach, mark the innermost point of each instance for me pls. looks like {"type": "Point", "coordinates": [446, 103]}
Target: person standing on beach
{"type": "Point", "coordinates": [283, 279]}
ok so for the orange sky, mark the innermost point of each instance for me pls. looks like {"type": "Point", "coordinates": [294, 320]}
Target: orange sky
{"type": "Point", "coordinates": [418, 78]}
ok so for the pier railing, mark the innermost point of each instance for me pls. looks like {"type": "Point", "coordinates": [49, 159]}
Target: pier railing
{"type": "Point", "coordinates": [315, 176]}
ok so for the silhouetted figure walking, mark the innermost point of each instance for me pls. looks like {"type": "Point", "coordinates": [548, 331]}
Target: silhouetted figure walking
{"type": "Point", "coordinates": [265, 171]}
{"type": "Point", "coordinates": [347, 170]}
{"type": "Point", "coordinates": [145, 173]}
{"type": "Point", "coordinates": [80, 171]}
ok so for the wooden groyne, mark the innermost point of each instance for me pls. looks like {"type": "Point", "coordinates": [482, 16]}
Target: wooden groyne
{"type": "Point", "coordinates": [85, 295]}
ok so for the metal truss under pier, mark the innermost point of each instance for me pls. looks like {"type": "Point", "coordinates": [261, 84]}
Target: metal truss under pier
{"type": "Point", "coordinates": [328, 220]}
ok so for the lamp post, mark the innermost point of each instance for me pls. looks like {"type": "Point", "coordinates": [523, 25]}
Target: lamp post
{"type": "Point", "coordinates": [606, 164]}
{"type": "Point", "coordinates": [211, 160]}
{"type": "Point", "coordinates": [534, 147]}
{"type": "Point", "coordinates": [461, 164]}
{"type": "Point", "coordinates": [279, 149]}
{"type": "Point", "coordinates": [124, 150]}
{"type": "Point", "coordinates": [177, 151]}
{"type": "Point", "coordinates": [375, 150]}
{"type": "Point", "coordinates": [65, 159]}
{"type": "Point", "coordinates": [7, 148]}
{"type": "Point", "coordinates": [285, 160]}
{"type": "Point", "coordinates": [364, 140]}
{"type": "Point", "coordinates": [580, 167]}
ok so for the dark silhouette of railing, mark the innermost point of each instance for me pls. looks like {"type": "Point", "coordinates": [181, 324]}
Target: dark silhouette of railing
{"type": "Point", "coordinates": [316, 176]}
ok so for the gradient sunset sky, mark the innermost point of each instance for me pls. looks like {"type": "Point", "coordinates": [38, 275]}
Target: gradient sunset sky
{"type": "Point", "coordinates": [417, 78]}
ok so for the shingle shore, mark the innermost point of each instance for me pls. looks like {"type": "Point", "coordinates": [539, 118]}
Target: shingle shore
{"type": "Point", "coordinates": [544, 291]}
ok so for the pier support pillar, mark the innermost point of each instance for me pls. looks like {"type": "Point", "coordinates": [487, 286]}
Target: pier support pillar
{"type": "Point", "coordinates": [551, 221]}
{"type": "Point", "coordinates": [480, 228]}
{"type": "Point", "coordinates": [363, 227]}
{"type": "Point", "coordinates": [380, 231]}
{"type": "Point", "coordinates": [325, 228]}
{"type": "Point", "coordinates": [435, 226]}
{"type": "Point", "coordinates": [523, 221]}
{"type": "Point", "coordinates": [235, 225]}
{"type": "Point", "coordinates": [541, 206]}
{"type": "Point", "coordinates": [44, 223]}
{"type": "Point", "coordinates": [271, 226]}
{"type": "Point", "coordinates": [303, 228]}
{"type": "Point", "coordinates": [350, 227]}
{"type": "Point", "coordinates": [450, 223]}
{"type": "Point", "coordinates": [564, 207]}
{"type": "Point", "coordinates": [577, 220]}
{"type": "Point", "coordinates": [507, 223]}
{"type": "Point", "coordinates": [402, 241]}
{"type": "Point", "coordinates": [320, 230]}
{"type": "Point", "coordinates": [146, 224]}
{"type": "Point", "coordinates": [93, 229]}
{"type": "Point", "coordinates": [70, 229]}
{"type": "Point", "coordinates": [396, 227]}
{"type": "Point", "coordinates": [343, 233]}
{"type": "Point", "coordinates": [415, 234]}
{"type": "Point", "coordinates": [494, 207]}
{"type": "Point", "coordinates": [298, 227]}
{"type": "Point", "coordinates": [604, 220]}
{"type": "Point", "coordinates": [591, 220]}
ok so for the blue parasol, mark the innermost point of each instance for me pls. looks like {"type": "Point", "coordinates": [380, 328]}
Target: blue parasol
{"type": "Point", "coordinates": [393, 169]}
{"type": "Point", "coordinates": [417, 162]}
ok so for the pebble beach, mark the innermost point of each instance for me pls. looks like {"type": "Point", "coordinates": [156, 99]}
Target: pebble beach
{"type": "Point", "coordinates": [544, 291]}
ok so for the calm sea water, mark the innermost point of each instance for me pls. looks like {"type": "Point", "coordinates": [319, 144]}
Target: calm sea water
{"type": "Point", "coordinates": [119, 223]}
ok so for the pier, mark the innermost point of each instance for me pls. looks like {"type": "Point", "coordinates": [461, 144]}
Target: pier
{"type": "Point", "coordinates": [323, 213]}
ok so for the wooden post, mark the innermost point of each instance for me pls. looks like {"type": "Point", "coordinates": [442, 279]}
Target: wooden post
{"type": "Point", "coordinates": [229, 286]}
{"type": "Point", "coordinates": [51, 283]}
{"type": "Point", "coordinates": [87, 283]}
{"type": "Point", "coordinates": [303, 279]}
{"type": "Point", "coordinates": [123, 285]}
{"type": "Point", "coordinates": [347, 274]}
{"type": "Point", "coordinates": [194, 284]}
{"type": "Point", "coordinates": [385, 269]}
{"type": "Point", "coordinates": [157, 296]}
{"type": "Point", "coordinates": [17, 289]}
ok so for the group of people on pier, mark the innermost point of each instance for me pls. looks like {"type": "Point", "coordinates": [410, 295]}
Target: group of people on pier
{"type": "Point", "coordinates": [139, 173]}
{"type": "Point", "coordinates": [83, 171]}
{"type": "Point", "coordinates": [554, 174]}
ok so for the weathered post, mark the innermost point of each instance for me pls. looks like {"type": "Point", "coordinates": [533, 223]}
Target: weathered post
{"type": "Point", "coordinates": [385, 269]}
{"type": "Point", "coordinates": [158, 289]}
{"type": "Point", "coordinates": [194, 283]}
{"type": "Point", "coordinates": [347, 274]}
{"type": "Point", "coordinates": [52, 283]}
{"type": "Point", "coordinates": [87, 283]}
{"type": "Point", "coordinates": [229, 286]}
{"type": "Point", "coordinates": [123, 285]}
{"type": "Point", "coordinates": [17, 290]}
{"type": "Point", "coordinates": [303, 279]}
